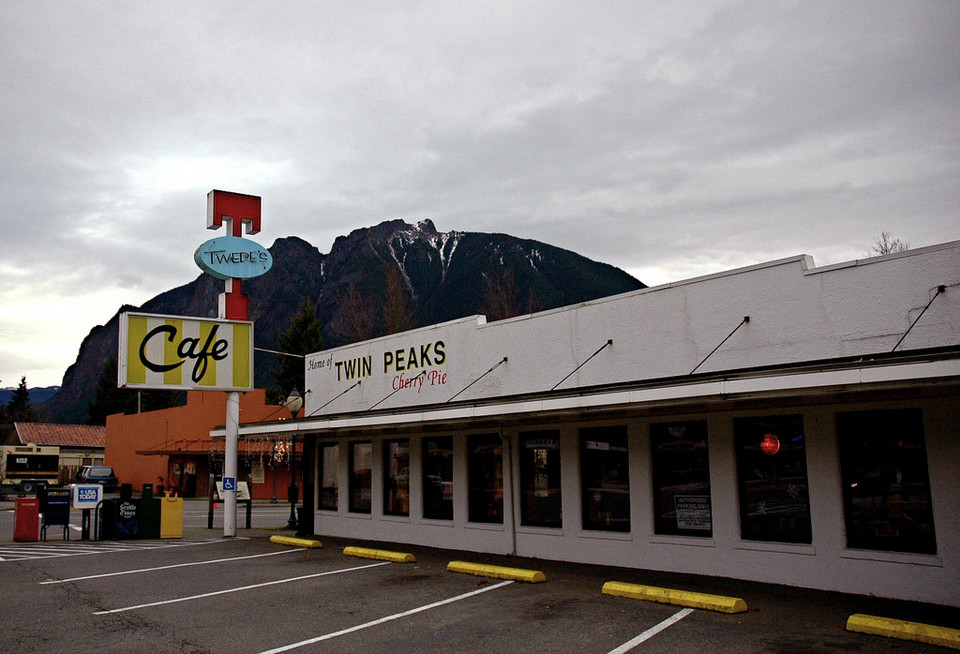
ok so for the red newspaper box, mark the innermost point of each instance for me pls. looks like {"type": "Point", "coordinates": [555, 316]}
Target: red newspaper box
{"type": "Point", "coordinates": [26, 518]}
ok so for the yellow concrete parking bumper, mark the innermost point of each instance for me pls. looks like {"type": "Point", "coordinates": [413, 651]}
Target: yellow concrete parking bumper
{"type": "Point", "coordinates": [296, 542]}
{"type": "Point", "coordinates": [916, 631]}
{"type": "Point", "coordinates": [497, 572]}
{"type": "Point", "coordinates": [380, 555]}
{"type": "Point", "coordinates": [678, 597]}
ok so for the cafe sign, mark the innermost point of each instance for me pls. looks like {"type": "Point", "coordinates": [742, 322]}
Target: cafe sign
{"type": "Point", "coordinates": [233, 257]}
{"type": "Point", "coordinates": [180, 353]}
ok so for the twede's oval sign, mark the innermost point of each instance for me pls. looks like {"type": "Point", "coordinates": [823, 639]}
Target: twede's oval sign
{"type": "Point", "coordinates": [233, 257]}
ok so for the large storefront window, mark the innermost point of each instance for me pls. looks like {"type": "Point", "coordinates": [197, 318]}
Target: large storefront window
{"type": "Point", "coordinates": [540, 479]}
{"type": "Point", "coordinates": [485, 473]}
{"type": "Point", "coordinates": [438, 478]}
{"type": "Point", "coordinates": [396, 477]}
{"type": "Point", "coordinates": [681, 479]}
{"type": "Point", "coordinates": [605, 478]}
{"type": "Point", "coordinates": [360, 477]}
{"type": "Point", "coordinates": [886, 488]}
{"type": "Point", "coordinates": [329, 460]}
{"type": "Point", "coordinates": [772, 475]}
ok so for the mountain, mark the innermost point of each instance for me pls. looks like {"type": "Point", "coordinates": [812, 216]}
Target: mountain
{"type": "Point", "coordinates": [395, 268]}
{"type": "Point", "coordinates": [37, 395]}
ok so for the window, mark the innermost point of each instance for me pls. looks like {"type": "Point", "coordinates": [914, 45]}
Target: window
{"type": "Point", "coordinates": [540, 479]}
{"type": "Point", "coordinates": [886, 488]}
{"type": "Point", "coordinates": [329, 459]}
{"type": "Point", "coordinates": [681, 479]}
{"type": "Point", "coordinates": [438, 478]}
{"type": "Point", "coordinates": [772, 475]}
{"type": "Point", "coordinates": [485, 472]}
{"type": "Point", "coordinates": [605, 478]}
{"type": "Point", "coordinates": [396, 477]}
{"type": "Point", "coordinates": [360, 457]}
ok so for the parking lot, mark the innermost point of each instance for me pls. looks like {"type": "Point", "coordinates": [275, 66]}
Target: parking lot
{"type": "Point", "coordinates": [205, 593]}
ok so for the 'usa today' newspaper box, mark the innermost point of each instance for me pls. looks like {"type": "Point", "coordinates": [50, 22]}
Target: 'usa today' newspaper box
{"type": "Point", "coordinates": [85, 496]}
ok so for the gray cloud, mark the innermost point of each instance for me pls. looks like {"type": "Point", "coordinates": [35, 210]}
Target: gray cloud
{"type": "Point", "coordinates": [669, 139]}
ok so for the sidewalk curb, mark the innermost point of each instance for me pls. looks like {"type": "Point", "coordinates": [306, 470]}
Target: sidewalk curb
{"type": "Point", "coordinates": [678, 597]}
{"type": "Point", "coordinates": [904, 630]}
{"type": "Point", "coordinates": [497, 572]}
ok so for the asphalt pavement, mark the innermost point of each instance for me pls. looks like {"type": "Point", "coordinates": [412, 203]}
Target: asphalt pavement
{"type": "Point", "coordinates": [207, 593]}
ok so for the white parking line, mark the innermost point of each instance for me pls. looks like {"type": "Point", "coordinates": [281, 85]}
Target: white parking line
{"type": "Point", "coordinates": [60, 549]}
{"type": "Point", "coordinates": [168, 567]}
{"type": "Point", "coordinates": [373, 623]}
{"type": "Point", "coordinates": [651, 632]}
{"type": "Point", "coordinates": [237, 590]}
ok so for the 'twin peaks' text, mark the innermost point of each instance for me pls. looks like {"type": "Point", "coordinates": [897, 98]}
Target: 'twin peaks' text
{"type": "Point", "coordinates": [404, 359]}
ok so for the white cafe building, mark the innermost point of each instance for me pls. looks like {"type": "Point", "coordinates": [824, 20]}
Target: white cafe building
{"type": "Point", "coordinates": [783, 423]}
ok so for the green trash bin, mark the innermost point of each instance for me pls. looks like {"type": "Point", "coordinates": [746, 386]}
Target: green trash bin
{"type": "Point", "coordinates": [148, 514]}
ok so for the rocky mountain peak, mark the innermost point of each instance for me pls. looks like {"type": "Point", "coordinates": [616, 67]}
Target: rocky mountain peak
{"type": "Point", "coordinates": [444, 275]}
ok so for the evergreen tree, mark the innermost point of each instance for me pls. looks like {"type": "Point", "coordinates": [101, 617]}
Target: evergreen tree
{"type": "Point", "coordinates": [301, 338]}
{"type": "Point", "coordinates": [19, 409]}
{"type": "Point", "coordinates": [7, 433]}
{"type": "Point", "coordinates": [110, 399]}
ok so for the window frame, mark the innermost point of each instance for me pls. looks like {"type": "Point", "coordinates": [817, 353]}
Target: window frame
{"type": "Point", "coordinates": [774, 501]}
{"type": "Point", "coordinates": [438, 490]}
{"type": "Point", "coordinates": [541, 490]}
{"type": "Point", "coordinates": [605, 493]}
{"type": "Point", "coordinates": [357, 486]}
{"type": "Point", "coordinates": [396, 487]}
{"type": "Point", "coordinates": [693, 516]}
{"type": "Point", "coordinates": [322, 491]}
{"type": "Point", "coordinates": [886, 482]}
{"type": "Point", "coordinates": [485, 499]}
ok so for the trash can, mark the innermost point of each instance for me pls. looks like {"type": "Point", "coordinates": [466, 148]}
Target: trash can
{"type": "Point", "coordinates": [148, 521]}
{"type": "Point", "coordinates": [26, 519]}
{"type": "Point", "coordinates": [108, 515]}
{"type": "Point", "coordinates": [171, 517]}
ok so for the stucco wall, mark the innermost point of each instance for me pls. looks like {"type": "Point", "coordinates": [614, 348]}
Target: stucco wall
{"type": "Point", "coordinates": [186, 427]}
{"type": "Point", "coordinates": [797, 313]}
{"type": "Point", "coordinates": [826, 563]}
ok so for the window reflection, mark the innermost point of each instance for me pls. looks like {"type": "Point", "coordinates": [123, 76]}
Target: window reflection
{"type": "Point", "coordinates": [774, 499]}
{"type": "Point", "coordinates": [605, 479]}
{"type": "Point", "coordinates": [485, 472]}
{"type": "Point", "coordinates": [360, 477]}
{"type": "Point", "coordinates": [540, 479]}
{"type": "Point", "coordinates": [886, 488]}
{"type": "Point", "coordinates": [438, 478]}
{"type": "Point", "coordinates": [681, 479]}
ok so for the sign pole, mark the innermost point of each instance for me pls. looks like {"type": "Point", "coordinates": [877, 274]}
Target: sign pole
{"type": "Point", "coordinates": [233, 210]}
{"type": "Point", "coordinates": [230, 446]}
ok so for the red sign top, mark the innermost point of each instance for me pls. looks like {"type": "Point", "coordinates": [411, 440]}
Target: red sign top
{"type": "Point", "coordinates": [236, 208]}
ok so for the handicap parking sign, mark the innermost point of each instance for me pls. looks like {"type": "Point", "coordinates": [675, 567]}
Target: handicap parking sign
{"type": "Point", "coordinates": [229, 483]}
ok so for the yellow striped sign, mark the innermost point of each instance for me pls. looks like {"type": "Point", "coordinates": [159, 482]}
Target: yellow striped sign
{"type": "Point", "coordinates": [174, 352]}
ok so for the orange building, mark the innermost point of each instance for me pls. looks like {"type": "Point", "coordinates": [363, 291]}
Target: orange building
{"type": "Point", "coordinates": [172, 448]}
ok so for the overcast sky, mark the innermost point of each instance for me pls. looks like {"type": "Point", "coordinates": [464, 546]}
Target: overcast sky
{"type": "Point", "coordinates": [669, 139]}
